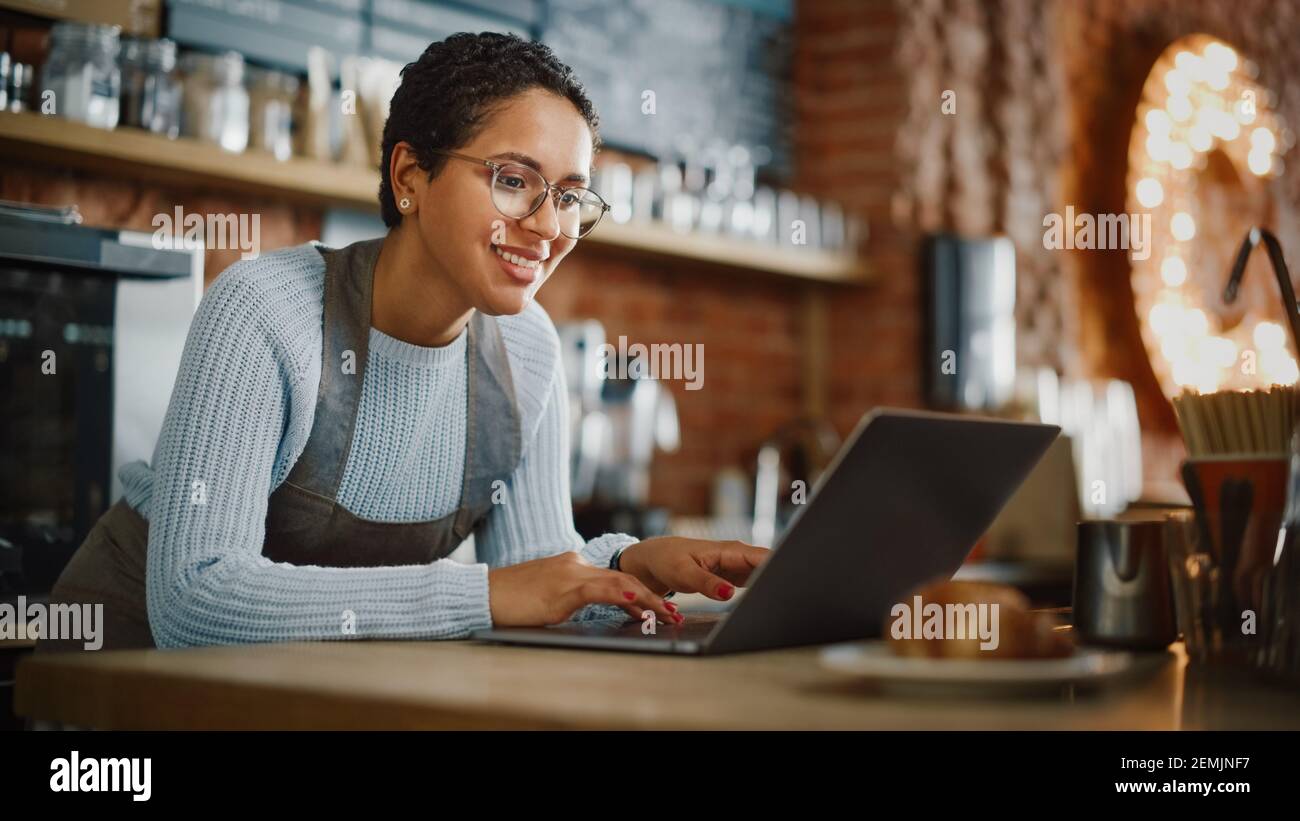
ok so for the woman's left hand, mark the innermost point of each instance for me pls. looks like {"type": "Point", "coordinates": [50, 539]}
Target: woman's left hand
{"type": "Point", "coordinates": [683, 565]}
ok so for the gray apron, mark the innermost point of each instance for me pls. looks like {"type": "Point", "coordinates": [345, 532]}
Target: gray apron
{"type": "Point", "coordinates": [305, 524]}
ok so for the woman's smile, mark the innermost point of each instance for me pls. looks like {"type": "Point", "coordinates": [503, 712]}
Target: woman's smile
{"type": "Point", "coordinates": [521, 264]}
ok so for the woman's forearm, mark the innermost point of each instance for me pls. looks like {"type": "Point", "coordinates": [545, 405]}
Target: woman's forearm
{"type": "Point", "coordinates": [235, 600]}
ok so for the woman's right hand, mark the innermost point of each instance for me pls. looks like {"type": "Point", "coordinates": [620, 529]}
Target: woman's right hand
{"type": "Point", "coordinates": [550, 590]}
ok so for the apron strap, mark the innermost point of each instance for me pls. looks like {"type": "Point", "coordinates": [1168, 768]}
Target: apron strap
{"type": "Point", "coordinates": [345, 348]}
{"type": "Point", "coordinates": [493, 436]}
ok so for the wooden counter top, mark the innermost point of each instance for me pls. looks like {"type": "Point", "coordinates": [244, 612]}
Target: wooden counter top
{"type": "Point", "coordinates": [470, 684]}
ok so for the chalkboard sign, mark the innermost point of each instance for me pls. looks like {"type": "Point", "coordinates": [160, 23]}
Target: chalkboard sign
{"type": "Point", "coordinates": [711, 69]}
{"type": "Point", "coordinates": [402, 29]}
{"type": "Point", "coordinates": [277, 33]}
{"type": "Point", "coordinates": [271, 32]}
{"type": "Point", "coordinates": [708, 70]}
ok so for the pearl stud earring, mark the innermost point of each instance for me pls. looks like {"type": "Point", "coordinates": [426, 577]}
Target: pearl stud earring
{"type": "Point", "coordinates": [405, 203]}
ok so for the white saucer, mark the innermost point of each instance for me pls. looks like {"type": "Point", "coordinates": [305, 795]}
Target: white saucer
{"type": "Point", "coordinates": [1087, 667]}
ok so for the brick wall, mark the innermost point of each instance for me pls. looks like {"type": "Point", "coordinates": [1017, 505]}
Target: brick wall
{"type": "Point", "coordinates": [851, 99]}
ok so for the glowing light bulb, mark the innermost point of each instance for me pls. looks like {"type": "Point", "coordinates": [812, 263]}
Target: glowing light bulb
{"type": "Point", "coordinates": [1179, 107]}
{"type": "Point", "coordinates": [1182, 226]}
{"type": "Point", "coordinates": [1180, 155]}
{"type": "Point", "coordinates": [1194, 67]}
{"type": "Point", "coordinates": [1269, 336]}
{"type": "Point", "coordinates": [1221, 57]}
{"type": "Point", "coordinates": [1149, 192]}
{"type": "Point", "coordinates": [1158, 147]}
{"type": "Point", "coordinates": [1220, 351]}
{"type": "Point", "coordinates": [1184, 373]}
{"type": "Point", "coordinates": [1278, 366]}
{"type": "Point", "coordinates": [1289, 373]}
{"type": "Point", "coordinates": [1263, 140]}
{"type": "Point", "coordinates": [1245, 109]}
{"type": "Point", "coordinates": [1199, 138]}
{"type": "Point", "coordinates": [1158, 122]}
{"type": "Point", "coordinates": [1194, 373]}
{"type": "Point", "coordinates": [1161, 318]}
{"type": "Point", "coordinates": [1259, 162]}
{"type": "Point", "coordinates": [1178, 83]}
{"type": "Point", "coordinates": [1173, 271]}
{"type": "Point", "coordinates": [1225, 127]}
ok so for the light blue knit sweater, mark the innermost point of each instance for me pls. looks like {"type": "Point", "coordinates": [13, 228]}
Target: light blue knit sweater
{"type": "Point", "coordinates": [239, 417]}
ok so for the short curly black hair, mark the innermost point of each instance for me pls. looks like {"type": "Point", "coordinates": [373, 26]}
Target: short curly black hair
{"type": "Point", "coordinates": [446, 95]}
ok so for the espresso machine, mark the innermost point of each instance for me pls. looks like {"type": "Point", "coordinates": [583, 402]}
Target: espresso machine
{"type": "Point", "coordinates": [617, 423]}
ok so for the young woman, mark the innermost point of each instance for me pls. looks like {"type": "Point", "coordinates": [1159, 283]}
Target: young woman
{"type": "Point", "coordinates": [343, 419]}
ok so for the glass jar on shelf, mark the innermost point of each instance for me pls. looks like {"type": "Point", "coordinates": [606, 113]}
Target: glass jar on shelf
{"type": "Point", "coordinates": [215, 103]}
{"type": "Point", "coordinates": [151, 90]}
{"type": "Point", "coordinates": [80, 79]}
{"type": "Point", "coordinates": [272, 96]}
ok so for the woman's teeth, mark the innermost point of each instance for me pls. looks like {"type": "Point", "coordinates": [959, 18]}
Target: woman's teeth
{"type": "Point", "coordinates": [516, 259]}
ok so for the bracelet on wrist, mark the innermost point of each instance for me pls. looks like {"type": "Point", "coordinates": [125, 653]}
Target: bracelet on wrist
{"type": "Point", "coordinates": [614, 565]}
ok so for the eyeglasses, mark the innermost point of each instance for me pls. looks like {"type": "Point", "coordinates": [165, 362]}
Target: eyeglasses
{"type": "Point", "coordinates": [518, 191]}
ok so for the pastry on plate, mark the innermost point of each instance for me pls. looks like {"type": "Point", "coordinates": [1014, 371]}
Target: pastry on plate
{"type": "Point", "coordinates": [973, 620]}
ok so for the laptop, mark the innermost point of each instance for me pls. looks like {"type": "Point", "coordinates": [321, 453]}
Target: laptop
{"type": "Point", "coordinates": [902, 504]}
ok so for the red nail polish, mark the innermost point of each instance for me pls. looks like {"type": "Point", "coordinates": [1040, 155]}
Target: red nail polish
{"type": "Point", "coordinates": [670, 606]}
{"type": "Point", "coordinates": [725, 591]}
{"type": "Point", "coordinates": [629, 595]}
{"type": "Point", "coordinates": [679, 618]}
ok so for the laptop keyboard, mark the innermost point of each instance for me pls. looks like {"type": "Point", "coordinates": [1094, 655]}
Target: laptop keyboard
{"type": "Point", "coordinates": [696, 627]}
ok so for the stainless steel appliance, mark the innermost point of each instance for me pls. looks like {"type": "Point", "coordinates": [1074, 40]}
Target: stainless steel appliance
{"type": "Point", "coordinates": [617, 424]}
{"type": "Point", "coordinates": [971, 299]}
{"type": "Point", "coordinates": [92, 326]}
{"type": "Point", "coordinates": [798, 452]}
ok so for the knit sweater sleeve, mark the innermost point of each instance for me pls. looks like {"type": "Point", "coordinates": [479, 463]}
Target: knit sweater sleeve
{"type": "Point", "coordinates": [534, 517]}
{"type": "Point", "coordinates": [207, 580]}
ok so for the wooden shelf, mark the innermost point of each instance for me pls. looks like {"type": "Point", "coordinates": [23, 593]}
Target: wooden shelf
{"type": "Point", "coordinates": [188, 162]}
{"type": "Point", "coordinates": [660, 241]}
{"type": "Point", "coordinates": [136, 17]}
{"type": "Point", "coordinates": [184, 161]}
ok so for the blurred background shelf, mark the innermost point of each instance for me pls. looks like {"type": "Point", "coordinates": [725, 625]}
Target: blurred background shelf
{"type": "Point", "coordinates": [189, 162]}
{"type": "Point", "coordinates": [661, 241]}
{"type": "Point", "coordinates": [183, 161]}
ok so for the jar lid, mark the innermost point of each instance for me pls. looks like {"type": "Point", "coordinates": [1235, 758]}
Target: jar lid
{"type": "Point", "coordinates": [226, 68]}
{"type": "Point", "coordinates": [81, 33]}
{"type": "Point", "coordinates": [147, 51]}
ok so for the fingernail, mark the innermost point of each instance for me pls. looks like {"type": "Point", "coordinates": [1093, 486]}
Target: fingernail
{"type": "Point", "coordinates": [725, 591]}
{"type": "Point", "coordinates": [670, 606]}
{"type": "Point", "coordinates": [629, 595]}
{"type": "Point", "coordinates": [679, 618]}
